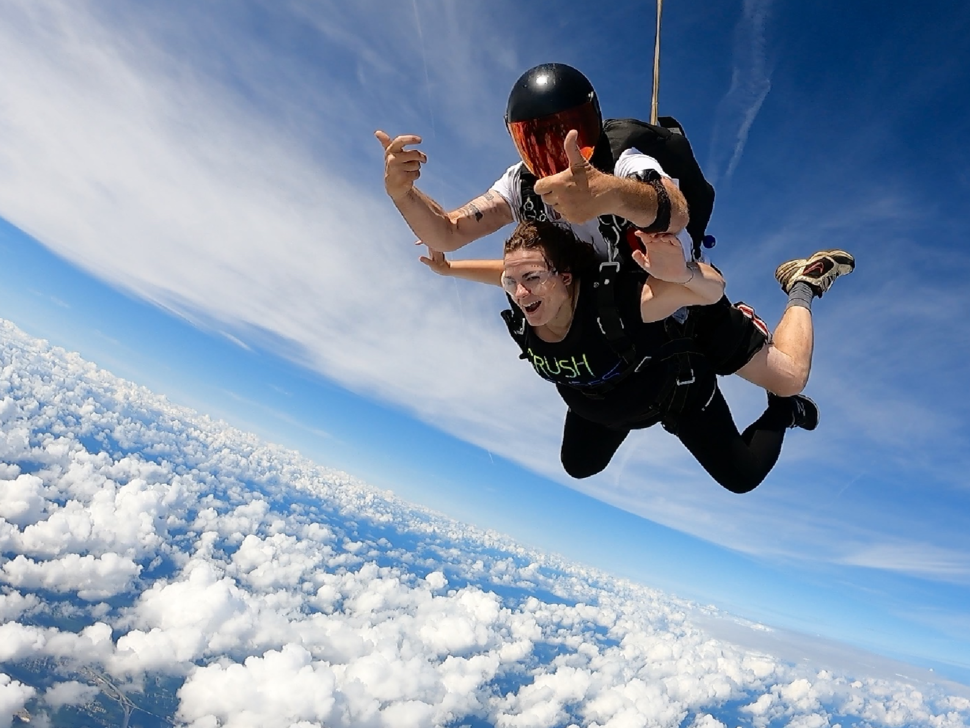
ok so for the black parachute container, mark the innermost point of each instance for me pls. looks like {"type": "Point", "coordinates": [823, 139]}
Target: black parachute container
{"type": "Point", "coordinates": [667, 143]}
{"type": "Point", "coordinates": [664, 140]}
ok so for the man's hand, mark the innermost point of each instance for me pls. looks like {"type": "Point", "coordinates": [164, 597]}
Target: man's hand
{"type": "Point", "coordinates": [579, 193]}
{"type": "Point", "coordinates": [402, 167]}
{"type": "Point", "coordinates": [662, 257]}
{"type": "Point", "coordinates": [437, 262]}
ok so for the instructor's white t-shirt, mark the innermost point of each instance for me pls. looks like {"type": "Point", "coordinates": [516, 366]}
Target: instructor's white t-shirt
{"type": "Point", "coordinates": [629, 164]}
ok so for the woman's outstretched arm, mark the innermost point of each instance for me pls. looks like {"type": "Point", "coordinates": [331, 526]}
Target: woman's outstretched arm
{"type": "Point", "coordinates": [479, 271]}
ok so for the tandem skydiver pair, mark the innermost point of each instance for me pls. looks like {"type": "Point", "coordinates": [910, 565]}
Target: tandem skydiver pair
{"type": "Point", "coordinates": [612, 297]}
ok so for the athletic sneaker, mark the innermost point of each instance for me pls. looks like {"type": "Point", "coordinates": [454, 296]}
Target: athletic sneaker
{"type": "Point", "coordinates": [804, 412]}
{"type": "Point", "coordinates": [819, 271]}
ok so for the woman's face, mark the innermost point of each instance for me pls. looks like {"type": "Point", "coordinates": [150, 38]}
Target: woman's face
{"type": "Point", "coordinates": [540, 292]}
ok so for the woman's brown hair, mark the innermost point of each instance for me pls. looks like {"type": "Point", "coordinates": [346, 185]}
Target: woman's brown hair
{"type": "Point", "coordinates": [564, 252]}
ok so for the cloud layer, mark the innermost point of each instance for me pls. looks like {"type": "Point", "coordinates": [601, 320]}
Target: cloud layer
{"type": "Point", "coordinates": [143, 543]}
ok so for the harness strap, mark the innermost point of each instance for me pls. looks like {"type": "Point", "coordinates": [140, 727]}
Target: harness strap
{"type": "Point", "coordinates": [533, 209]}
{"type": "Point", "coordinates": [608, 316]}
{"type": "Point", "coordinates": [515, 321]}
{"type": "Point", "coordinates": [676, 352]}
{"type": "Point", "coordinates": [682, 373]}
{"type": "Point", "coordinates": [611, 227]}
{"type": "Point", "coordinates": [679, 375]}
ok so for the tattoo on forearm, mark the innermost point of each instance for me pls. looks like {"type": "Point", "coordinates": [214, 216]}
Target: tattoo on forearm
{"type": "Point", "coordinates": [472, 209]}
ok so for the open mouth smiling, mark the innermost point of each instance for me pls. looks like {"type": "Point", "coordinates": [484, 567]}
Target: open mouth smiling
{"type": "Point", "coordinates": [531, 308]}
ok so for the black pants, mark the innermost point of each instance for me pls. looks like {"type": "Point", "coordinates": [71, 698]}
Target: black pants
{"type": "Point", "coordinates": [739, 462]}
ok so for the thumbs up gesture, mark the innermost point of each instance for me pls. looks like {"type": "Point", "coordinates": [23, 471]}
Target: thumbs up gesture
{"type": "Point", "coordinates": [578, 193]}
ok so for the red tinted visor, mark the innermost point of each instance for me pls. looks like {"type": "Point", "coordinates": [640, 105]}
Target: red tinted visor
{"type": "Point", "coordinates": [540, 141]}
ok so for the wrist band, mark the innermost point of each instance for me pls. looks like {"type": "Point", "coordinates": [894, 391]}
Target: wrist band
{"type": "Point", "coordinates": [662, 221]}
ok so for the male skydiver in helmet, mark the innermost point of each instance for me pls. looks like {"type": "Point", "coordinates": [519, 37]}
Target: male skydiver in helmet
{"type": "Point", "coordinates": [554, 119]}
{"type": "Point", "coordinates": [551, 107]}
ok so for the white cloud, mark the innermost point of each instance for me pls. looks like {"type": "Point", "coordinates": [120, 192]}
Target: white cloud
{"type": "Point", "coordinates": [279, 688]}
{"type": "Point", "coordinates": [91, 577]}
{"type": "Point", "coordinates": [13, 696]}
{"type": "Point", "coordinates": [910, 557]}
{"type": "Point", "coordinates": [19, 641]}
{"type": "Point", "coordinates": [269, 612]}
{"type": "Point", "coordinates": [707, 721]}
{"type": "Point", "coordinates": [21, 500]}
{"type": "Point", "coordinates": [70, 693]}
{"type": "Point", "coordinates": [13, 604]}
{"type": "Point", "coordinates": [92, 645]}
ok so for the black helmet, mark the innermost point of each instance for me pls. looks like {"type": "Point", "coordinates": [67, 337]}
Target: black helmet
{"type": "Point", "coordinates": [545, 103]}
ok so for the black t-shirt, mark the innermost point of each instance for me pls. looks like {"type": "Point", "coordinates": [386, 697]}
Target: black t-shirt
{"type": "Point", "coordinates": [584, 360]}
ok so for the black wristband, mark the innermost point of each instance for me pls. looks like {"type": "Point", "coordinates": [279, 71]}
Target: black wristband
{"type": "Point", "coordinates": [661, 222]}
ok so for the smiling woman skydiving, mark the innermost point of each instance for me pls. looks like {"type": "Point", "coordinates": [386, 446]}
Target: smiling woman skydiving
{"type": "Point", "coordinates": [621, 361]}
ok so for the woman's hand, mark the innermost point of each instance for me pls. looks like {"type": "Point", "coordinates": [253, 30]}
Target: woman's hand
{"type": "Point", "coordinates": [662, 257]}
{"type": "Point", "coordinates": [437, 262]}
{"type": "Point", "coordinates": [478, 271]}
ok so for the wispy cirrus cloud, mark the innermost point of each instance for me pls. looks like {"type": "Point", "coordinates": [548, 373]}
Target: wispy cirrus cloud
{"type": "Point", "coordinates": [750, 84]}
{"type": "Point", "coordinates": [924, 560]}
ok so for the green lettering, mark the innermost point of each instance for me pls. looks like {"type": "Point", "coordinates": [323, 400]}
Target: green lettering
{"type": "Point", "coordinates": [571, 371]}
{"type": "Point", "coordinates": [538, 362]}
{"type": "Point", "coordinates": [586, 363]}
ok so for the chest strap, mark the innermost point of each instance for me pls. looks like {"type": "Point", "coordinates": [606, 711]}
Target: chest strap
{"type": "Point", "coordinates": [608, 315]}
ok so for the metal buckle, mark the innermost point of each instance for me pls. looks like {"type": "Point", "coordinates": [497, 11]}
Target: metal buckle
{"type": "Point", "coordinates": [687, 381]}
{"type": "Point", "coordinates": [608, 265]}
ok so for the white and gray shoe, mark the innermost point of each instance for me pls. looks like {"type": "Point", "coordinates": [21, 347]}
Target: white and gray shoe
{"type": "Point", "coordinates": [819, 271]}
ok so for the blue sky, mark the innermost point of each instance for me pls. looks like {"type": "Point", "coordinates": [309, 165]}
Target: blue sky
{"type": "Point", "coordinates": [192, 198]}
